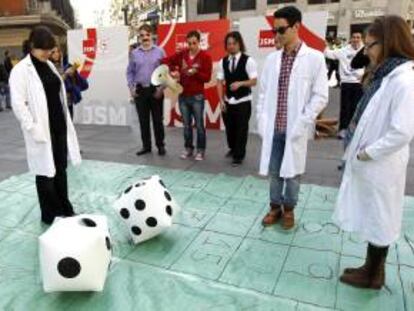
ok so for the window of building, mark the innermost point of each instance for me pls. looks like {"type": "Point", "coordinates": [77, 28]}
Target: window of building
{"type": "Point", "coordinates": [322, 1]}
{"type": "Point", "coordinates": [331, 31]}
{"type": "Point", "coordinates": [208, 6]}
{"type": "Point", "coordinates": [242, 5]}
{"type": "Point", "coordinates": [280, 1]}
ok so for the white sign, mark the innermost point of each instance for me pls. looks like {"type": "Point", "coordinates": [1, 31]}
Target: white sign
{"type": "Point", "coordinates": [103, 53]}
{"type": "Point", "coordinates": [367, 13]}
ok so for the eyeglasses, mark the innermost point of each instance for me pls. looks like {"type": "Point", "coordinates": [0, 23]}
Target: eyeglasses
{"type": "Point", "coordinates": [371, 45]}
{"type": "Point", "coordinates": [280, 30]}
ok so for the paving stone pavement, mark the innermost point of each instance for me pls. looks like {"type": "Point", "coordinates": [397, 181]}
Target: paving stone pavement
{"type": "Point", "coordinates": [119, 144]}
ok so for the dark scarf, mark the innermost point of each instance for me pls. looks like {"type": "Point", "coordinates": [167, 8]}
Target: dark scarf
{"type": "Point", "coordinates": [388, 66]}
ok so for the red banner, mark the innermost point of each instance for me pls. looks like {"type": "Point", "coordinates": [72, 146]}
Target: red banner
{"type": "Point", "coordinates": [172, 38]}
{"type": "Point", "coordinates": [89, 50]}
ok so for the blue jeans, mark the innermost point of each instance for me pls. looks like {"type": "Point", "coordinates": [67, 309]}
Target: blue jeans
{"type": "Point", "coordinates": [4, 94]}
{"type": "Point", "coordinates": [193, 107]}
{"type": "Point", "coordinates": [282, 191]}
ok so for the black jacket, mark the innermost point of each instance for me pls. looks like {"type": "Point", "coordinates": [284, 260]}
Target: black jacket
{"type": "Point", "coordinates": [4, 75]}
{"type": "Point", "coordinates": [360, 60]}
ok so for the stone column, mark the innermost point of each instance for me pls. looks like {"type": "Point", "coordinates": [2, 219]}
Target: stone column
{"type": "Point", "coordinates": [344, 18]}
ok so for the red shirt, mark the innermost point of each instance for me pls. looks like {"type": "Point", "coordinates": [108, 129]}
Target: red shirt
{"type": "Point", "coordinates": [283, 88]}
{"type": "Point", "coordinates": [181, 61]}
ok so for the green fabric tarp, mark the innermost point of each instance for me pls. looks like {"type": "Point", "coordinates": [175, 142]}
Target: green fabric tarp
{"type": "Point", "coordinates": [217, 256]}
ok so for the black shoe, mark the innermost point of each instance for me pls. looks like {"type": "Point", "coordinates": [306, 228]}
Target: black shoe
{"type": "Point", "coordinates": [236, 162]}
{"type": "Point", "coordinates": [143, 151]}
{"type": "Point", "coordinates": [69, 213]}
{"type": "Point", "coordinates": [229, 154]}
{"type": "Point", "coordinates": [47, 221]}
{"type": "Point", "coordinates": [162, 151]}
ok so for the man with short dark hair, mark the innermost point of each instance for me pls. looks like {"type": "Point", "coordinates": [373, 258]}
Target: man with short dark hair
{"type": "Point", "coordinates": [148, 99]}
{"type": "Point", "coordinates": [351, 87]}
{"type": "Point", "coordinates": [293, 91]}
{"type": "Point", "coordinates": [192, 67]}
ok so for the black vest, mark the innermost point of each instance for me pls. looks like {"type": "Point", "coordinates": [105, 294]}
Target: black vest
{"type": "Point", "coordinates": [240, 74]}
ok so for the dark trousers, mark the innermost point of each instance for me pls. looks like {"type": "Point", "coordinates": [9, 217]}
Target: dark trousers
{"type": "Point", "coordinates": [70, 107]}
{"type": "Point", "coordinates": [147, 107]}
{"type": "Point", "coordinates": [351, 93]}
{"type": "Point", "coordinates": [236, 120]}
{"type": "Point", "coordinates": [53, 192]}
{"type": "Point", "coordinates": [333, 65]}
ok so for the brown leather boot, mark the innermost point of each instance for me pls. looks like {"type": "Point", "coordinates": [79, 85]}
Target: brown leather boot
{"type": "Point", "coordinates": [364, 268]}
{"type": "Point", "coordinates": [372, 274]}
{"type": "Point", "coordinates": [273, 216]}
{"type": "Point", "coordinates": [288, 218]}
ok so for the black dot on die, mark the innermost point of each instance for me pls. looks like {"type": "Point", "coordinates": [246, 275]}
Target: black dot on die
{"type": "Point", "coordinates": [124, 213]}
{"type": "Point", "coordinates": [108, 243]}
{"type": "Point", "coordinates": [169, 210]}
{"type": "Point", "coordinates": [162, 183]}
{"type": "Point", "coordinates": [151, 222]}
{"type": "Point", "coordinates": [69, 267]}
{"type": "Point", "coordinates": [140, 205]}
{"type": "Point", "coordinates": [88, 222]}
{"type": "Point", "coordinates": [128, 189]}
{"type": "Point", "coordinates": [167, 195]}
{"type": "Point", "coordinates": [136, 230]}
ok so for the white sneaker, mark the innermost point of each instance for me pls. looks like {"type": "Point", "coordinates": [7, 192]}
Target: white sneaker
{"type": "Point", "coordinates": [199, 156]}
{"type": "Point", "coordinates": [341, 134]}
{"type": "Point", "coordinates": [186, 154]}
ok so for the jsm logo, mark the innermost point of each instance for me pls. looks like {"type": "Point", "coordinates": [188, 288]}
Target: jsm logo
{"type": "Point", "coordinates": [266, 39]}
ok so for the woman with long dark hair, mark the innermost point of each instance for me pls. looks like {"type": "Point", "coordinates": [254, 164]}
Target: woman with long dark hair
{"type": "Point", "coordinates": [371, 196]}
{"type": "Point", "coordinates": [39, 103]}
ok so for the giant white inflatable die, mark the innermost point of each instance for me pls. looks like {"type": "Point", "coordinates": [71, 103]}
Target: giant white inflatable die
{"type": "Point", "coordinates": [147, 208]}
{"type": "Point", "coordinates": [75, 254]}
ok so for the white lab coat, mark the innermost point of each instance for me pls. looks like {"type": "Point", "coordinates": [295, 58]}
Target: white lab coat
{"type": "Point", "coordinates": [29, 104]}
{"type": "Point", "coordinates": [307, 97]}
{"type": "Point", "coordinates": [371, 196]}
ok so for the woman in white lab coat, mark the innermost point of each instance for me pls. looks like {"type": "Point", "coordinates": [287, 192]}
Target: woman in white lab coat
{"type": "Point", "coordinates": [39, 103]}
{"type": "Point", "coordinates": [371, 196]}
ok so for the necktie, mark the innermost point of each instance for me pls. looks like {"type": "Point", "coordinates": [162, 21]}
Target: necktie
{"type": "Point", "coordinates": [233, 64]}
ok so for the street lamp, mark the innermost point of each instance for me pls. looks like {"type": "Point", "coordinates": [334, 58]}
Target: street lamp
{"type": "Point", "coordinates": [125, 9]}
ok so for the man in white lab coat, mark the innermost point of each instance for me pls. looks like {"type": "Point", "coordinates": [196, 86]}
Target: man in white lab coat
{"type": "Point", "coordinates": [293, 91]}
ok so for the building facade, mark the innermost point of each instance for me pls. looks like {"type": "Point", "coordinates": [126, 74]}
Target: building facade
{"type": "Point", "coordinates": [18, 17]}
{"type": "Point", "coordinates": [153, 12]}
{"type": "Point", "coordinates": [136, 12]}
{"type": "Point", "coordinates": [344, 15]}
